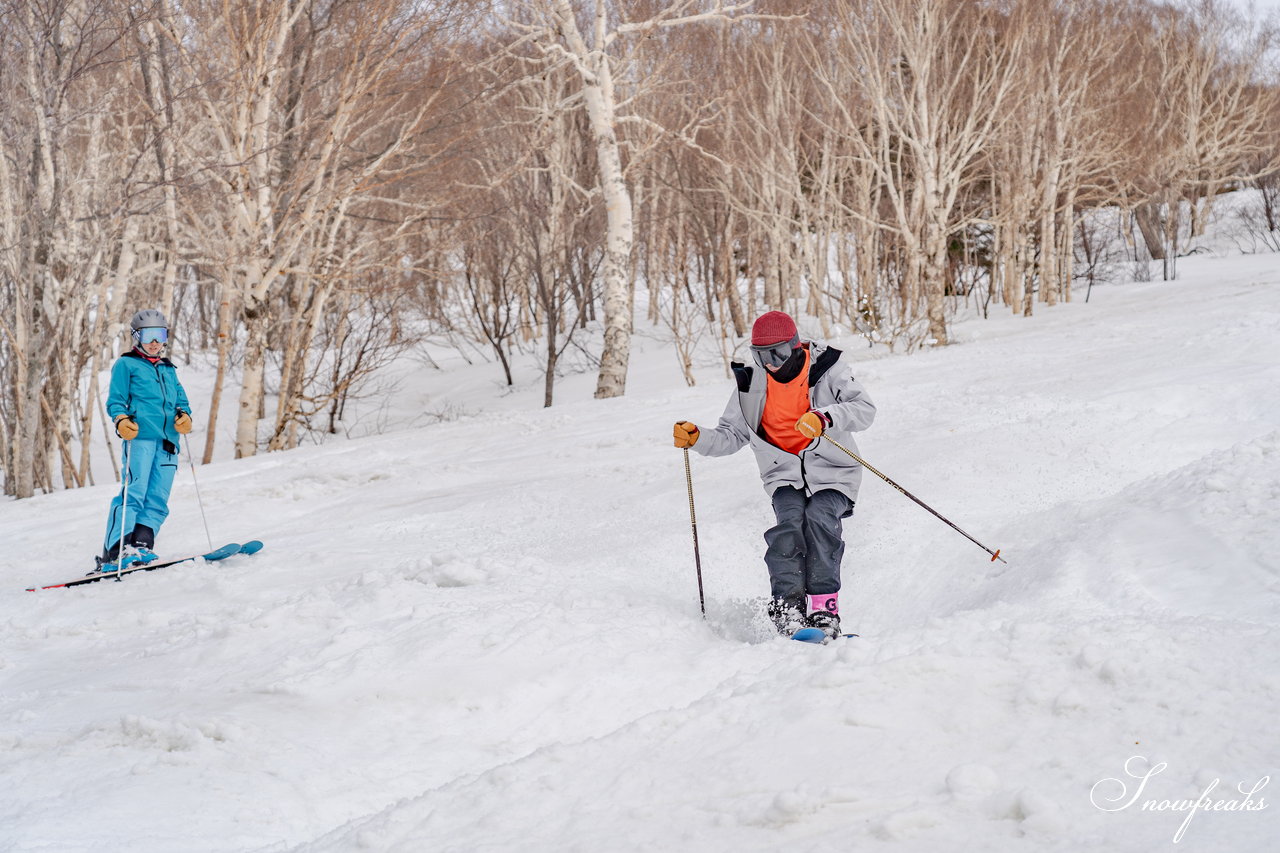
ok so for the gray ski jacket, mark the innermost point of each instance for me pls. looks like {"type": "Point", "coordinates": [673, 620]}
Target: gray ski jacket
{"type": "Point", "coordinates": [832, 391]}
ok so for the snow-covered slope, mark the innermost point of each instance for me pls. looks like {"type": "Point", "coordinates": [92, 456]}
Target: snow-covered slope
{"type": "Point", "coordinates": [484, 634]}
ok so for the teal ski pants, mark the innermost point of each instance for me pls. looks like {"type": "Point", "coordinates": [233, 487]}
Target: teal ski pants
{"type": "Point", "coordinates": [150, 477]}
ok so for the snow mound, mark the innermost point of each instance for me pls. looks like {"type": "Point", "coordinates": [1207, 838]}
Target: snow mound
{"type": "Point", "coordinates": [484, 634]}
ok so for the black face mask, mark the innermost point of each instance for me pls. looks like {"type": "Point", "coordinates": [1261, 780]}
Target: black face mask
{"type": "Point", "coordinates": [790, 368]}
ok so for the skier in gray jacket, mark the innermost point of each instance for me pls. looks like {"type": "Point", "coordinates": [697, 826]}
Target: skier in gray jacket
{"type": "Point", "coordinates": [796, 392]}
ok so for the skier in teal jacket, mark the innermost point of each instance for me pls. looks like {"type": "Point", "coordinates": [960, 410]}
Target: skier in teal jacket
{"type": "Point", "coordinates": [149, 408]}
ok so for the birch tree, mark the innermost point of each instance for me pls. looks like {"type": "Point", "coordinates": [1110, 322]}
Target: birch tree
{"type": "Point", "coordinates": [597, 50]}
{"type": "Point", "coordinates": [298, 122]}
{"type": "Point", "coordinates": [65, 185]}
{"type": "Point", "coordinates": [935, 77]}
{"type": "Point", "coordinates": [1038, 163]}
{"type": "Point", "coordinates": [1225, 107]}
{"type": "Point", "coordinates": [1202, 119]}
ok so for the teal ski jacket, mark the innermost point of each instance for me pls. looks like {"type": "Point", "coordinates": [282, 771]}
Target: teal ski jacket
{"type": "Point", "coordinates": [148, 392]}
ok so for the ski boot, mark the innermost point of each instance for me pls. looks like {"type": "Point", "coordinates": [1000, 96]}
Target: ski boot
{"type": "Point", "coordinates": [827, 623]}
{"type": "Point", "coordinates": [143, 539]}
{"type": "Point", "coordinates": [106, 567]}
{"type": "Point", "coordinates": [132, 557]}
{"type": "Point", "coordinates": [824, 614]}
{"type": "Point", "coordinates": [787, 616]}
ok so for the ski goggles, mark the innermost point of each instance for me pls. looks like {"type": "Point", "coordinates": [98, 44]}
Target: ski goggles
{"type": "Point", "coordinates": [775, 355]}
{"type": "Point", "coordinates": [152, 335]}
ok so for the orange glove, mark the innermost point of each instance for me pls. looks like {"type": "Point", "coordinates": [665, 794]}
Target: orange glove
{"type": "Point", "coordinates": [686, 434]}
{"type": "Point", "coordinates": [813, 424]}
{"type": "Point", "coordinates": [182, 422]}
{"type": "Point", "coordinates": [126, 427]}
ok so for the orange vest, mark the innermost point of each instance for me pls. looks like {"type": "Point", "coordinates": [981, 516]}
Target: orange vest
{"type": "Point", "coordinates": [784, 404]}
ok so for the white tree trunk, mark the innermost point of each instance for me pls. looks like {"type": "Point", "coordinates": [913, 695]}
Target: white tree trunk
{"type": "Point", "coordinates": [598, 96]}
{"type": "Point", "coordinates": [251, 387]}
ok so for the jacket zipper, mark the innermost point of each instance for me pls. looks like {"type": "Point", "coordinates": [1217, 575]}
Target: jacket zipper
{"type": "Point", "coordinates": [164, 398]}
{"type": "Point", "coordinates": [804, 477]}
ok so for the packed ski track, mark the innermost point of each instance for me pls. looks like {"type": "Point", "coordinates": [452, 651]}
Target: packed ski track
{"type": "Point", "coordinates": [484, 633]}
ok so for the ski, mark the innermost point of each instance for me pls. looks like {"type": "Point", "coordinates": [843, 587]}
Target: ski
{"type": "Point", "coordinates": [815, 636]}
{"type": "Point", "coordinates": [229, 550]}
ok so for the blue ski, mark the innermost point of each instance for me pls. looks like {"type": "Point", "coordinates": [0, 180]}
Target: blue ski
{"type": "Point", "coordinates": [815, 635]}
{"type": "Point", "coordinates": [228, 550]}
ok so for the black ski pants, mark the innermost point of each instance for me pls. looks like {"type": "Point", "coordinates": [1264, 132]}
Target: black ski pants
{"type": "Point", "coordinates": [806, 546]}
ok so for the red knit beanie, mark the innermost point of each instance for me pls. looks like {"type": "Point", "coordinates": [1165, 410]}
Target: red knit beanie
{"type": "Point", "coordinates": [774, 327]}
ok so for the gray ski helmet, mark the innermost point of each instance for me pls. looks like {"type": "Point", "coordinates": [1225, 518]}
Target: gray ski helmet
{"type": "Point", "coordinates": [148, 318]}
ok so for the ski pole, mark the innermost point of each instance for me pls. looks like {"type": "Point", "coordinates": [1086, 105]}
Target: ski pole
{"type": "Point", "coordinates": [693, 522]}
{"type": "Point", "coordinates": [995, 555]}
{"type": "Point", "coordinates": [124, 506]}
{"type": "Point", "coordinates": [192, 462]}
